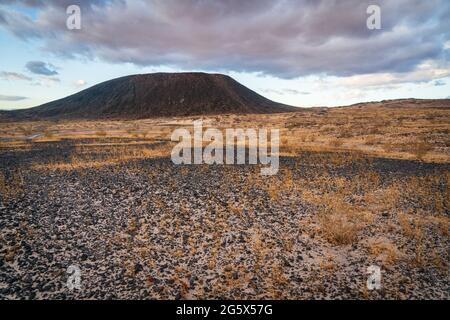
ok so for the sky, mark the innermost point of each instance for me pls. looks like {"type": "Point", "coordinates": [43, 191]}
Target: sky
{"type": "Point", "coordinates": [300, 52]}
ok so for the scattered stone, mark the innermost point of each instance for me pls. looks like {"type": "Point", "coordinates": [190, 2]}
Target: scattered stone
{"type": "Point", "coordinates": [188, 243]}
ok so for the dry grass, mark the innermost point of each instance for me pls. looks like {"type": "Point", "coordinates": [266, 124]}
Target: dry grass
{"type": "Point", "coordinates": [345, 211]}
{"type": "Point", "coordinates": [420, 149]}
{"type": "Point", "coordinates": [337, 228]}
{"type": "Point", "coordinates": [101, 133]}
{"type": "Point", "coordinates": [406, 133]}
{"type": "Point", "coordinates": [48, 133]}
{"type": "Point", "coordinates": [385, 250]}
{"type": "Point", "coordinates": [339, 221]}
{"type": "Point", "coordinates": [11, 187]}
{"type": "Point", "coordinates": [336, 143]}
{"type": "Point", "coordinates": [86, 156]}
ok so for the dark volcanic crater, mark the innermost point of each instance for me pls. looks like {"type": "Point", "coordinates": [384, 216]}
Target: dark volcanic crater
{"type": "Point", "coordinates": [156, 95]}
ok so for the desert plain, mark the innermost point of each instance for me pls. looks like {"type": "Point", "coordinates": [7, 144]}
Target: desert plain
{"type": "Point", "coordinates": [357, 186]}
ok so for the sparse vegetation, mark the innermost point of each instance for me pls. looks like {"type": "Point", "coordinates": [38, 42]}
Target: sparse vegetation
{"type": "Point", "coordinates": [346, 196]}
{"type": "Point", "coordinates": [101, 133]}
{"type": "Point", "coordinates": [420, 149]}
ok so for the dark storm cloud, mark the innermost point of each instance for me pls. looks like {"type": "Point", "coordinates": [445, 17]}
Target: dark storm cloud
{"type": "Point", "coordinates": [42, 68]}
{"type": "Point", "coordinates": [57, 3]}
{"type": "Point", "coordinates": [282, 38]}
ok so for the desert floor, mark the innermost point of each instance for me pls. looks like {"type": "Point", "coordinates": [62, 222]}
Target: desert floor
{"type": "Point", "coordinates": [356, 187]}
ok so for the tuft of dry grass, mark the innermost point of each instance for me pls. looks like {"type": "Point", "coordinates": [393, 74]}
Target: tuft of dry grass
{"type": "Point", "coordinates": [101, 133]}
{"type": "Point", "coordinates": [385, 250]}
{"type": "Point", "coordinates": [421, 149]}
{"type": "Point", "coordinates": [338, 229]}
{"type": "Point", "coordinates": [336, 143]}
{"type": "Point", "coordinates": [48, 133]}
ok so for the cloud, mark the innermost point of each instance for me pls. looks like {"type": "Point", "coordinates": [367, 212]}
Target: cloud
{"type": "Point", "coordinates": [42, 68]}
{"type": "Point", "coordinates": [425, 72]}
{"type": "Point", "coordinates": [46, 81]}
{"type": "Point", "coordinates": [272, 91]}
{"type": "Point", "coordinates": [14, 76]}
{"type": "Point", "coordinates": [80, 83]}
{"type": "Point", "coordinates": [283, 38]}
{"type": "Point", "coordinates": [11, 98]}
{"type": "Point", "coordinates": [439, 83]}
{"type": "Point", "coordinates": [64, 3]}
{"type": "Point", "coordinates": [296, 92]}
{"type": "Point", "coordinates": [284, 91]}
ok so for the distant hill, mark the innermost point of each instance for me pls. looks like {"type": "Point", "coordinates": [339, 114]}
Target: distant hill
{"type": "Point", "coordinates": [403, 104]}
{"type": "Point", "coordinates": [155, 95]}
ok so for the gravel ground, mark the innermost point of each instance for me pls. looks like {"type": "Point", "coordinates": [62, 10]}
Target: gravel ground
{"type": "Point", "coordinates": [148, 229]}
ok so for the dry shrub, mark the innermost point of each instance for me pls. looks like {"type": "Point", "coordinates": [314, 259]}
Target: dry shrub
{"type": "Point", "coordinates": [389, 147]}
{"type": "Point", "coordinates": [288, 180]}
{"type": "Point", "coordinates": [442, 263]}
{"type": "Point", "coordinates": [371, 140]}
{"type": "Point", "coordinates": [338, 229]}
{"type": "Point", "coordinates": [328, 129]}
{"type": "Point", "coordinates": [390, 197]}
{"type": "Point", "coordinates": [419, 241]}
{"type": "Point", "coordinates": [340, 221]}
{"type": "Point", "coordinates": [405, 225]}
{"type": "Point", "coordinates": [420, 149]}
{"type": "Point", "coordinates": [441, 223]}
{"type": "Point", "coordinates": [385, 250]}
{"type": "Point", "coordinates": [374, 129]}
{"type": "Point", "coordinates": [48, 133]}
{"type": "Point", "coordinates": [336, 143]}
{"type": "Point", "coordinates": [26, 131]}
{"type": "Point", "coordinates": [100, 133]}
{"type": "Point", "coordinates": [161, 151]}
{"type": "Point", "coordinates": [427, 192]}
{"type": "Point", "coordinates": [345, 133]}
{"type": "Point", "coordinates": [275, 187]}
{"type": "Point", "coordinates": [288, 147]}
{"type": "Point", "coordinates": [273, 192]}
